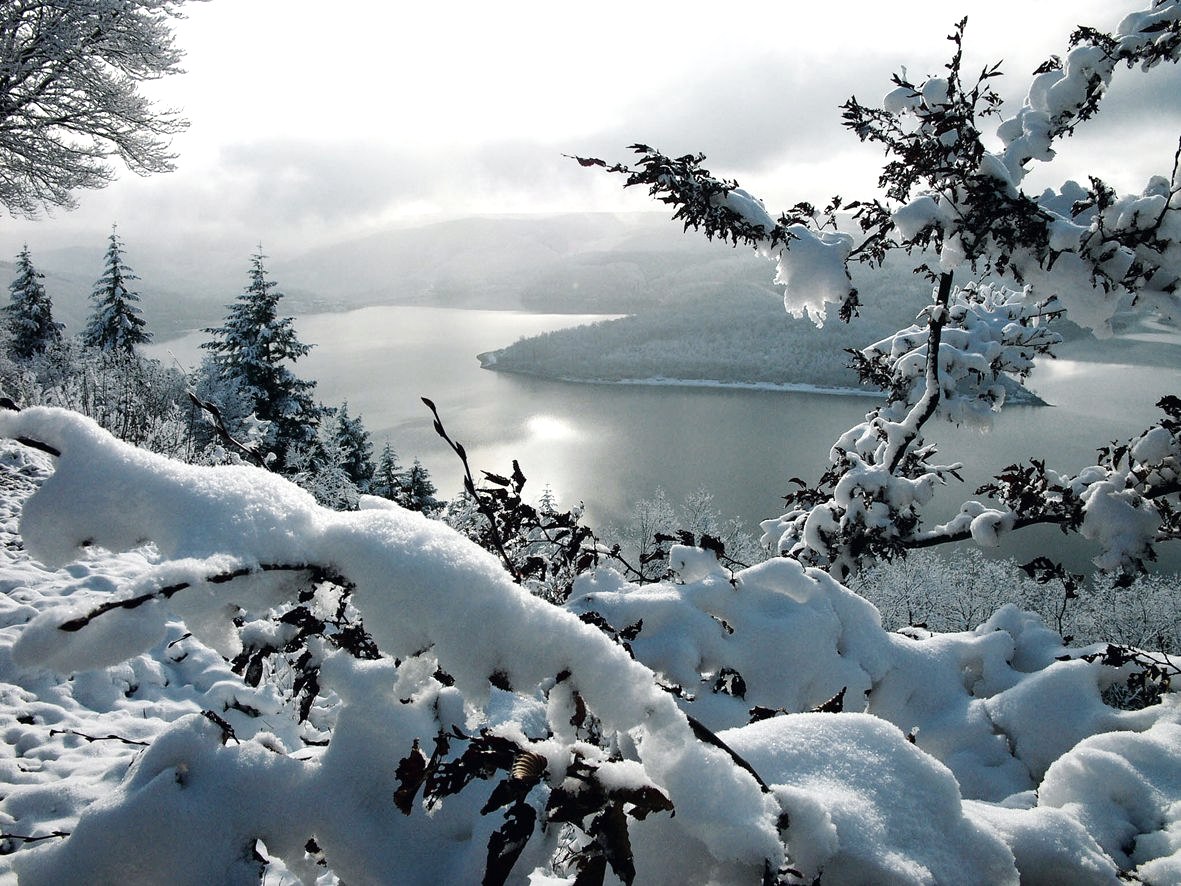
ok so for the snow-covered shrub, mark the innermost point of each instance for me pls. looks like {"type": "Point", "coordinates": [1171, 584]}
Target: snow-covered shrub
{"type": "Point", "coordinates": [449, 726]}
{"type": "Point", "coordinates": [137, 399]}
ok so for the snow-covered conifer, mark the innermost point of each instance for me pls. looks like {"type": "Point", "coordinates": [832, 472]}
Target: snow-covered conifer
{"type": "Point", "coordinates": [418, 490]}
{"type": "Point", "coordinates": [255, 348]}
{"type": "Point", "coordinates": [116, 324]}
{"type": "Point", "coordinates": [355, 448]}
{"type": "Point", "coordinates": [30, 312]}
{"type": "Point", "coordinates": [388, 477]}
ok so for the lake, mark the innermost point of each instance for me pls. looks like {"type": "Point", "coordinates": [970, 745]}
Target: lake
{"type": "Point", "coordinates": [609, 445]}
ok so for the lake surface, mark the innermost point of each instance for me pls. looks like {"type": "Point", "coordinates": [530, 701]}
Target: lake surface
{"type": "Point", "coordinates": [609, 445]}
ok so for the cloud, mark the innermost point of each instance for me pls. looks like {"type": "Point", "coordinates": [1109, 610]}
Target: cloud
{"type": "Point", "coordinates": [297, 181]}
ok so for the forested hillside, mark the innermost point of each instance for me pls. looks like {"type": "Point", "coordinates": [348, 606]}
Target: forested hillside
{"type": "Point", "coordinates": [719, 330]}
{"type": "Point", "coordinates": [728, 331]}
{"type": "Point", "coordinates": [576, 263]}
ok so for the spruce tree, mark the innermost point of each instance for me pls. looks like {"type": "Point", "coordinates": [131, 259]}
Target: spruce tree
{"type": "Point", "coordinates": [388, 478]}
{"type": "Point", "coordinates": [418, 490]}
{"type": "Point", "coordinates": [30, 312]}
{"type": "Point", "coordinates": [116, 325]}
{"type": "Point", "coordinates": [253, 349]}
{"type": "Point", "coordinates": [355, 448]}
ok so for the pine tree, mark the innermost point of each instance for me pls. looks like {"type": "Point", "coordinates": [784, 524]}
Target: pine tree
{"type": "Point", "coordinates": [253, 349]}
{"type": "Point", "coordinates": [388, 478]}
{"type": "Point", "coordinates": [418, 490]}
{"type": "Point", "coordinates": [30, 312]}
{"type": "Point", "coordinates": [116, 324]}
{"type": "Point", "coordinates": [355, 448]}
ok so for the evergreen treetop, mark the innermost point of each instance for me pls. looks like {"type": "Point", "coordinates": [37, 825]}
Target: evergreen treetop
{"type": "Point", "coordinates": [418, 490]}
{"type": "Point", "coordinates": [387, 478]}
{"type": "Point", "coordinates": [355, 448]}
{"type": "Point", "coordinates": [254, 348]}
{"type": "Point", "coordinates": [116, 324]}
{"type": "Point", "coordinates": [30, 320]}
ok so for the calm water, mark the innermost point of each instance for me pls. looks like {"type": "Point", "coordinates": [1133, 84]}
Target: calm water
{"type": "Point", "coordinates": [609, 445]}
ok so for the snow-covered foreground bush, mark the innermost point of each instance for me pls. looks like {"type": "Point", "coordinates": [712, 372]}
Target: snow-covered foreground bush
{"type": "Point", "coordinates": [440, 725]}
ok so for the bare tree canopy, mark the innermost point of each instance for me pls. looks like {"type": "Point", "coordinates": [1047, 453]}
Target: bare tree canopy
{"type": "Point", "coordinates": [70, 72]}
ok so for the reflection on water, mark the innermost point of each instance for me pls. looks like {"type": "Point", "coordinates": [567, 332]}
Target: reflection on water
{"type": "Point", "coordinates": [550, 427]}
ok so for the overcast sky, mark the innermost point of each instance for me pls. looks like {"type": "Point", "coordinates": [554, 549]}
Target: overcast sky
{"type": "Point", "coordinates": [312, 122]}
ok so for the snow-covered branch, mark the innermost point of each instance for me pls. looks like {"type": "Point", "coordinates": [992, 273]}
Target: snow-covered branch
{"type": "Point", "coordinates": [489, 735]}
{"type": "Point", "coordinates": [957, 206]}
{"type": "Point", "coordinates": [70, 72]}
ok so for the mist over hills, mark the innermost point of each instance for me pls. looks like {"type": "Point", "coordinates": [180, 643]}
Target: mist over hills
{"type": "Point", "coordinates": [577, 263]}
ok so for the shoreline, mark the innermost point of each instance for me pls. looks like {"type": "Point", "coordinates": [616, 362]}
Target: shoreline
{"type": "Point", "coordinates": [488, 362]}
{"type": "Point", "coordinates": [660, 381]}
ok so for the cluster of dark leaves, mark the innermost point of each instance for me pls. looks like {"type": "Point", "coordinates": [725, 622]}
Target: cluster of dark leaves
{"type": "Point", "coordinates": [580, 801]}
{"type": "Point", "coordinates": [623, 637]}
{"type": "Point", "coordinates": [861, 542]}
{"type": "Point", "coordinates": [1150, 679]}
{"type": "Point", "coordinates": [1043, 570]}
{"type": "Point", "coordinates": [1103, 241]}
{"type": "Point", "coordinates": [1162, 48]}
{"type": "Point", "coordinates": [532, 543]}
{"type": "Point", "coordinates": [835, 705]}
{"type": "Point", "coordinates": [923, 157]}
{"type": "Point", "coordinates": [1035, 496]}
{"type": "Point", "coordinates": [542, 544]}
{"type": "Point", "coordinates": [700, 203]}
{"type": "Point", "coordinates": [342, 628]}
{"type": "Point", "coordinates": [698, 197]}
{"type": "Point", "coordinates": [1155, 482]}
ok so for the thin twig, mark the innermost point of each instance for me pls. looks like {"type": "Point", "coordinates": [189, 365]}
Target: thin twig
{"type": "Point", "coordinates": [219, 425]}
{"type": "Point", "coordinates": [318, 573]}
{"type": "Point", "coordinates": [469, 483]}
{"type": "Point", "coordinates": [94, 738]}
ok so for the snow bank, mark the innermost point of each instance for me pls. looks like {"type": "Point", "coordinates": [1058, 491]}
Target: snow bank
{"type": "Point", "coordinates": [986, 755]}
{"type": "Point", "coordinates": [866, 806]}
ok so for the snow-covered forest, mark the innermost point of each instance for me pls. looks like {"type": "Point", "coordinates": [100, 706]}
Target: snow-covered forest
{"type": "Point", "coordinates": [236, 648]}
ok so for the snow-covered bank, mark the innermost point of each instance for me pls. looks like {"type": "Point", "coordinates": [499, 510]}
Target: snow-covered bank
{"type": "Point", "coordinates": [488, 361]}
{"type": "Point", "coordinates": [981, 756]}
{"type": "Point", "coordinates": [1017, 395]}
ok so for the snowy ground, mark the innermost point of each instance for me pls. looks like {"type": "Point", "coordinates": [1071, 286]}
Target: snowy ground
{"type": "Point", "coordinates": [970, 757]}
{"type": "Point", "coordinates": [69, 742]}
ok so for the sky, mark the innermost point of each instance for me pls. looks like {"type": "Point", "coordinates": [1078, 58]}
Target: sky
{"type": "Point", "coordinates": [309, 126]}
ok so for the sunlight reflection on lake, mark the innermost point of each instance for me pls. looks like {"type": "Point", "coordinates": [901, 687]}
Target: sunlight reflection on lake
{"type": "Point", "coordinates": [550, 427]}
